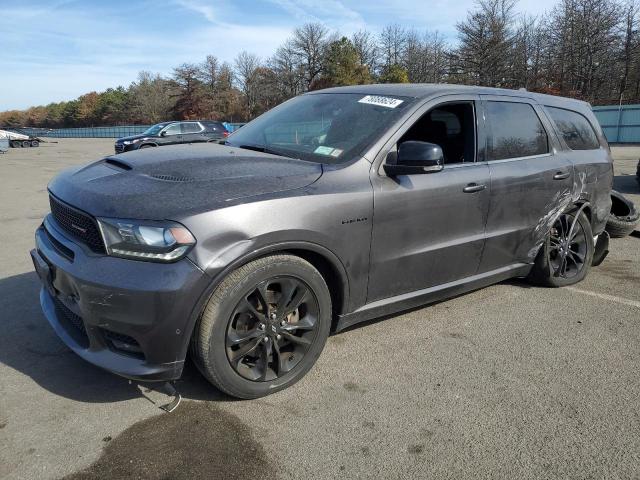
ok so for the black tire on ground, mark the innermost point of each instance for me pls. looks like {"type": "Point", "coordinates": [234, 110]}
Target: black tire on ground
{"type": "Point", "coordinates": [236, 311]}
{"type": "Point", "coordinates": [146, 146]}
{"type": "Point", "coordinates": [35, 143]}
{"type": "Point", "coordinates": [26, 144]}
{"type": "Point", "coordinates": [623, 218]}
{"type": "Point", "coordinates": [547, 270]}
{"type": "Point", "coordinates": [16, 143]}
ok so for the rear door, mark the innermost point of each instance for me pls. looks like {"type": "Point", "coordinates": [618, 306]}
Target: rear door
{"type": "Point", "coordinates": [531, 180]}
{"type": "Point", "coordinates": [193, 132]}
{"type": "Point", "coordinates": [584, 143]}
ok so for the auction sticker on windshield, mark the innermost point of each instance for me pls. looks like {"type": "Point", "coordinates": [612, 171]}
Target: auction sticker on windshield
{"type": "Point", "coordinates": [380, 101]}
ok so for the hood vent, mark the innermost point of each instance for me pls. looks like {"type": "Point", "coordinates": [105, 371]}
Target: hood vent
{"type": "Point", "coordinates": [173, 178]}
{"type": "Point", "coordinates": [117, 164]}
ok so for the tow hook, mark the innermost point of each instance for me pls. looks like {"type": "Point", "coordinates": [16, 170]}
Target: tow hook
{"type": "Point", "coordinates": [170, 390]}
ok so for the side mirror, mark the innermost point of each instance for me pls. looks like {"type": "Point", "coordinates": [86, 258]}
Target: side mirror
{"type": "Point", "coordinates": [414, 158]}
{"type": "Point", "coordinates": [163, 133]}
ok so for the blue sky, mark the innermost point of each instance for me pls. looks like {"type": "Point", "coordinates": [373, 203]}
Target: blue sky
{"type": "Point", "coordinates": [59, 49]}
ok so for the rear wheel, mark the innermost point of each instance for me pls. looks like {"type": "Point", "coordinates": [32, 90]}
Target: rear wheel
{"type": "Point", "coordinates": [16, 143]}
{"type": "Point", "coordinates": [35, 143]}
{"type": "Point", "coordinates": [26, 144]}
{"type": "Point", "coordinates": [567, 253]}
{"type": "Point", "coordinates": [264, 326]}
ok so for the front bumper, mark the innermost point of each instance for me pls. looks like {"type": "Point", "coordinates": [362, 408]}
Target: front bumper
{"type": "Point", "coordinates": [130, 317]}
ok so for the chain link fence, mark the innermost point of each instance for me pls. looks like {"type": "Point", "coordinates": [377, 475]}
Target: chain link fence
{"type": "Point", "coordinates": [94, 132]}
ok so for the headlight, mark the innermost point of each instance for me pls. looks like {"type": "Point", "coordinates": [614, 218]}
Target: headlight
{"type": "Point", "coordinates": [142, 240]}
{"type": "Point", "coordinates": [129, 142]}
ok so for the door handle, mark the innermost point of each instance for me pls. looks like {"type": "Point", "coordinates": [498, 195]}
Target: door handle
{"type": "Point", "coordinates": [473, 188]}
{"type": "Point", "coordinates": [561, 175]}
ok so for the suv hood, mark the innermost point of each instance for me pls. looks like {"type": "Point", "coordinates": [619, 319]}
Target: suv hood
{"type": "Point", "coordinates": [175, 181]}
{"type": "Point", "coordinates": [134, 137]}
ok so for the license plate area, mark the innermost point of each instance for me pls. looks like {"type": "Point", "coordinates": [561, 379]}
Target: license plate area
{"type": "Point", "coordinates": [44, 270]}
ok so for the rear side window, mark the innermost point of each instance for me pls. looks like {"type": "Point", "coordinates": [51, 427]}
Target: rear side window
{"type": "Point", "coordinates": [191, 127]}
{"type": "Point", "coordinates": [514, 131]}
{"type": "Point", "coordinates": [575, 129]}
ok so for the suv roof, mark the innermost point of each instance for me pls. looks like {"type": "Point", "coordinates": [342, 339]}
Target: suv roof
{"type": "Point", "coordinates": [425, 90]}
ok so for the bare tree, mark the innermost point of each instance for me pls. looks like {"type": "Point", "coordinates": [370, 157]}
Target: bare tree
{"type": "Point", "coordinates": [367, 49]}
{"type": "Point", "coordinates": [290, 74]}
{"type": "Point", "coordinates": [245, 66]}
{"type": "Point", "coordinates": [308, 45]}
{"type": "Point", "coordinates": [486, 43]}
{"type": "Point", "coordinates": [393, 41]}
{"type": "Point", "coordinates": [208, 73]}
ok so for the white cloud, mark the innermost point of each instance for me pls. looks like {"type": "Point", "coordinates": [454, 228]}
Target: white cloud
{"type": "Point", "coordinates": [58, 50]}
{"type": "Point", "coordinates": [203, 9]}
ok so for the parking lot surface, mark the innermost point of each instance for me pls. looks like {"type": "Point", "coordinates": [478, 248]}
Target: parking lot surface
{"type": "Point", "coordinates": [506, 382]}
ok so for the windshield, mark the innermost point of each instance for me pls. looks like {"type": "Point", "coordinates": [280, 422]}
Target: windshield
{"type": "Point", "coordinates": [155, 129]}
{"type": "Point", "coordinates": [323, 128]}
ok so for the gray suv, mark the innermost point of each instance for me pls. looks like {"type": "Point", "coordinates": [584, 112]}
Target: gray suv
{"type": "Point", "coordinates": [173, 133]}
{"type": "Point", "coordinates": [336, 207]}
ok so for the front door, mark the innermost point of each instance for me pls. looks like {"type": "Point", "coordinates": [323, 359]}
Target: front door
{"type": "Point", "coordinates": [429, 229]}
{"type": "Point", "coordinates": [171, 134]}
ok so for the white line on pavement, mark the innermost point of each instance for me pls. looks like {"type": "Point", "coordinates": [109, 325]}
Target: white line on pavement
{"type": "Point", "coordinates": [604, 296]}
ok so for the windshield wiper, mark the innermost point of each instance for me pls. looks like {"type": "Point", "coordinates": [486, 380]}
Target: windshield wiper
{"type": "Point", "coordinates": [264, 149]}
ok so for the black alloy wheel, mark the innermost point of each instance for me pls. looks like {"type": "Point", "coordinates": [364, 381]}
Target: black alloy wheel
{"type": "Point", "coordinates": [567, 247]}
{"type": "Point", "coordinates": [271, 329]}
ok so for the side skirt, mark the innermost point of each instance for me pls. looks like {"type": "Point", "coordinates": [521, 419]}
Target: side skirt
{"type": "Point", "coordinates": [406, 301]}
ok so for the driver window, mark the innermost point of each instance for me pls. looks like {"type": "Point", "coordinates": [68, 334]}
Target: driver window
{"type": "Point", "coordinates": [452, 127]}
{"type": "Point", "coordinates": [174, 129]}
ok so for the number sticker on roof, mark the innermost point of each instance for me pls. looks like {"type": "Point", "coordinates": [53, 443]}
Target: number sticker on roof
{"type": "Point", "coordinates": [380, 101]}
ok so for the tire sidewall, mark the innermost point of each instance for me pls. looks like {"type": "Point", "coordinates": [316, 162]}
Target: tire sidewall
{"type": "Point", "coordinates": [222, 311]}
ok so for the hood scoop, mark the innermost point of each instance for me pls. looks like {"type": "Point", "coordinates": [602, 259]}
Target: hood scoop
{"type": "Point", "coordinates": [118, 164]}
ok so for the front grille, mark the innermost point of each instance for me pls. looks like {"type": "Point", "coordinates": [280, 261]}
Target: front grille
{"type": "Point", "coordinates": [77, 223]}
{"type": "Point", "coordinates": [71, 322]}
{"type": "Point", "coordinates": [61, 249]}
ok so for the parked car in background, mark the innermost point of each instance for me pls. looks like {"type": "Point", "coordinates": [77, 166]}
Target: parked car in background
{"type": "Point", "coordinates": [336, 207]}
{"type": "Point", "coordinates": [171, 133]}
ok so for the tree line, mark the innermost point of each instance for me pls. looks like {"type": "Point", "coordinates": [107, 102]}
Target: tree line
{"type": "Point", "coordinates": [587, 49]}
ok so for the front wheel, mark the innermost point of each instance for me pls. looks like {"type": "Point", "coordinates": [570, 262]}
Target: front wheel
{"type": "Point", "coordinates": [264, 326]}
{"type": "Point", "coordinates": [567, 253]}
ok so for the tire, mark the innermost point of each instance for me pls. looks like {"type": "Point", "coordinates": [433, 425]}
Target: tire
{"type": "Point", "coordinates": [146, 146]}
{"type": "Point", "coordinates": [547, 268]}
{"type": "Point", "coordinates": [35, 143]}
{"type": "Point", "coordinates": [16, 144]}
{"type": "Point", "coordinates": [26, 144]}
{"type": "Point", "coordinates": [235, 311]}
{"type": "Point", "coordinates": [623, 218]}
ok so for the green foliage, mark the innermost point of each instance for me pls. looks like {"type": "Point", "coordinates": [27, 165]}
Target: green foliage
{"type": "Point", "coordinates": [394, 73]}
{"type": "Point", "coordinates": [342, 65]}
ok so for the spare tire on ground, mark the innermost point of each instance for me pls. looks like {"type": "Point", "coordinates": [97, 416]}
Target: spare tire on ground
{"type": "Point", "coordinates": [623, 218]}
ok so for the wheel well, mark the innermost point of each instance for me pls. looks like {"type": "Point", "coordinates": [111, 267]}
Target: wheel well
{"type": "Point", "coordinates": [329, 272]}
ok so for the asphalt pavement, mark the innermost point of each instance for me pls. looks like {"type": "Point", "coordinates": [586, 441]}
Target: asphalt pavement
{"type": "Point", "coordinates": [510, 381]}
